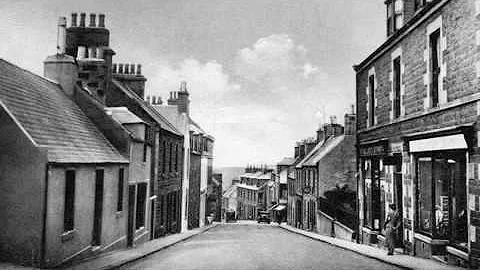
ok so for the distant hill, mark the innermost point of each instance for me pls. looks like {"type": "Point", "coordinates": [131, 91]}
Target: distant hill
{"type": "Point", "coordinates": [228, 174]}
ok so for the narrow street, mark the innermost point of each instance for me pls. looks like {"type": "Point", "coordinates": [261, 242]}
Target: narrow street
{"type": "Point", "coordinates": [252, 246]}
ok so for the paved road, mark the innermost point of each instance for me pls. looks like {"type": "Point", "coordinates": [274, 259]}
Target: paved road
{"type": "Point", "coordinates": [252, 246]}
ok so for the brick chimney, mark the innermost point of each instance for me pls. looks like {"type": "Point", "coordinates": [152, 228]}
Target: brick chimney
{"type": "Point", "coordinates": [180, 99]}
{"type": "Point", "coordinates": [134, 80]}
{"type": "Point", "coordinates": [332, 128]}
{"type": "Point", "coordinates": [61, 67]}
{"type": "Point", "coordinates": [350, 122]}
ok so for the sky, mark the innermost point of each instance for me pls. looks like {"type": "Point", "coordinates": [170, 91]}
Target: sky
{"type": "Point", "coordinates": [262, 74]}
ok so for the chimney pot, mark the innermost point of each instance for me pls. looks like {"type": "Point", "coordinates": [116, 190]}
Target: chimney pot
{"type": "Point", "coordinates": [132, 69]}
{"type": "Point", "coordinates": [120, 68]}
{"type": "Point", "coordinates": [125, 70]}
{"type": "Point", "coordinates": [91, 52]}
{"type": "Point", "coordinates": [92, 20]}
{"type": "Point", "coordinates": [139, 69]}
{"type": "Point", "coordinates": [61, 35]}
{"type": "Point", "coordinates": [99, 53]}
{"type": "Point", "coordinates": [101, 20]}
{"type": "Point", "coordinates": [154, 99]}
{"type": "Point", "coordinates": [74, 19]}
{"type": "Point", "coordinates": [114, 68]}
{"type": "Point", "coordinates": [82, 19]}
{"type": "Point", "coordinates": [148, 99]}
{"type": "Point", "coordinates": [183, 86]}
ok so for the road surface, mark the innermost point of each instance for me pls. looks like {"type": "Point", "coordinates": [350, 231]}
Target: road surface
{"type": "Point", "coordinates": [252, 246]}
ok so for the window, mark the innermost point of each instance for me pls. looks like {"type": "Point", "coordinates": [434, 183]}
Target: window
{"type": "Point", "coordinates": [141, 204]}
{"type": "Point", "coordinates": [441, 197]}
{"type": "Point", "coordinates": [69, 211]}
{"type": "Point", "coordinates": [121, 174]}
{"type": "Point", "coordinates": [145, 147]}
{"type": "Point", "coordinates": [434, 66]}
{"type": "Point", "coordinates": [372, 204]}
{"type": "Point", "coordinates": [176, 157]}
{"type": "Point", "coordinates": [371, 100]}
{"type": "Point", "coordinates": [171, 158]}
{"type": "Point", "coordinates": [164, 159]}
{"type": "Point", "coordinates": [396, 87]}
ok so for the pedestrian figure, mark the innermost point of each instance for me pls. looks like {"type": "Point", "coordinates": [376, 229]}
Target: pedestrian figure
{"type": "Point", "coordinates": [391, 225]}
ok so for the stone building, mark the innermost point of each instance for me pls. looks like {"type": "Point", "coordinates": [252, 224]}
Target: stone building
{"type": "Point", "coordinates": [60, 182]}
{"type": "Point", "coordinates": [198, 156]}
{"type": "Point", "coordinates": [123, 85]}
{"type": "Point", "coordinates": [417, 129]}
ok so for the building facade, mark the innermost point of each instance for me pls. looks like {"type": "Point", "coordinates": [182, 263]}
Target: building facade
{"type": "Point", "coordinates": [417, 130]}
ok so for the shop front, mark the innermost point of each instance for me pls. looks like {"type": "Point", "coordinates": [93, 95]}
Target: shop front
{"type": "Point", "coordinates": [441, 216]}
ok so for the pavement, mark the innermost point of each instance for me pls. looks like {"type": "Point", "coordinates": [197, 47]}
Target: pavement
{"type": "Point", "coordinates": [400, 260]}
{"type": "Point", "coordinates": [252, 246]}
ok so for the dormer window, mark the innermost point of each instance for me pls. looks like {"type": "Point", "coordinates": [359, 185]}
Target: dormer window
{"type": "Point", "coordinates": [394, 16]}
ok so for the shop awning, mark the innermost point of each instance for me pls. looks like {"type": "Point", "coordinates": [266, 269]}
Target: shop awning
{"type": "Point", "coordinates": [279, 208]}
{"type": "Point", "coordinates": [449, 142]}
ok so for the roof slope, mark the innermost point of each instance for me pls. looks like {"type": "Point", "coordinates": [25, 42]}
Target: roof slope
{"type": "Point", "coordinates": [286, 161]}
{"type": "Point", "coordinates": [322, 151]}
{"type": "Point", "coordinates": [52, 119]}
{"type": "Point", "coordinates": [164, 123]}
{"type": "Point", "coordinates": [170, 113]}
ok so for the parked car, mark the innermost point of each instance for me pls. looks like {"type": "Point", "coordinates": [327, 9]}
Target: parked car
{"type": "Point", "coordinates": [263, 217]}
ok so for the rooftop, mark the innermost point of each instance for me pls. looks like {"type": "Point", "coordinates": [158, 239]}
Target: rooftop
{"type": "Point", "coordinates": [123, 115]}
{"type": "Point", "coordinates": [52, 119]}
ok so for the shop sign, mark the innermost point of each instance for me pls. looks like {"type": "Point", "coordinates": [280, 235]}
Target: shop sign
{"type": "Point", "coordinates": [373, 150]}
{"type": "Point", "coordinates": [396, 147]}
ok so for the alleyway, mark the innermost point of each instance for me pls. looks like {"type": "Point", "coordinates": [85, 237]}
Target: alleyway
{"type": "Point", "coordinates": [252, 246]}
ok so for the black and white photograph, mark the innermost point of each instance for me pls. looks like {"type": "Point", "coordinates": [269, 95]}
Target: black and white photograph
{"type": "Point", "coordinates": [239, 134]}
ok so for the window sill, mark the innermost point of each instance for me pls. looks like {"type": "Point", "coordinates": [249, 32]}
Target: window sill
{"type": "Point", "coordinates": [68, 236]}
{"type": "Point", "coordinates": [139, 229]}
{"type": "Point", "coordinates": [429, 240]}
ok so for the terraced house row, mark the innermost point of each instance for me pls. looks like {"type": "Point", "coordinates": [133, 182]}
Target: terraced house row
{"type": "Point", "coordinates": [418, 132]}
{"type": "Point", "coordinates": [88, 163]}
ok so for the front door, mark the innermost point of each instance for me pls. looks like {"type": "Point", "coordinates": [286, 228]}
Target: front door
{"type": "Point", "coordinates": [131, 215]}
{"type": "Point", "coordinates": [98, 209]}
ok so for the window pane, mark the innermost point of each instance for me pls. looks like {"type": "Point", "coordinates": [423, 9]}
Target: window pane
{"type": "Point", "coordinates": [441, 175]}
{"type": "Point", "coordinates": [425, 194]}
{"type": "Point", "coordinates": [459, 201]}
{"type": "Point", "coordinates": [68, 216]}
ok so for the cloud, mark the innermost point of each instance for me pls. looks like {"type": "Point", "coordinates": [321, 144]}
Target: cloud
{"type": "Point", "coordinates": [271, 96]}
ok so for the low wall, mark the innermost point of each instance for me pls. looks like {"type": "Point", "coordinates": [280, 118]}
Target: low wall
{"type": "Point", "coordinates": [327, 225]}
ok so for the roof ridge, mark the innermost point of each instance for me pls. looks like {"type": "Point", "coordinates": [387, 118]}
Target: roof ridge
{"type": "Point", "coordinates": [146, 106]}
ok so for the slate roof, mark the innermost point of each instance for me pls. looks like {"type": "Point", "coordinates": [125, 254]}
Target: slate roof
{"type": "Point", "coordinates": [123, 115]}
{"type": "Point", "coordinates": [164, 123]}
{"type": "Point", "coordinates": [170, 113]}
{"type": "Point", "coordinates": [231, 191]}
{"type": "Point", "coordinates": [287, 161]}
{"type": "Point", "coordinates": [324, 149]}
{"type": "Point", "coordinates": [52, 119]}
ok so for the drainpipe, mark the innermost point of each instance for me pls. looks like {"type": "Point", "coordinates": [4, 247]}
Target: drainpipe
{"type": "Point", "coordinates": [43, 247]}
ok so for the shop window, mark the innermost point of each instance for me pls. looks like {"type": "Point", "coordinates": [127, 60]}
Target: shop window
{"type": "Point", "coordinates": [141, 205]}
{"type": "Point", "coordinates": [69, 210]}
{"type": "Point", "coordinates": [441, 197]}
{"type": "Point", "coordinates": [372, 196]}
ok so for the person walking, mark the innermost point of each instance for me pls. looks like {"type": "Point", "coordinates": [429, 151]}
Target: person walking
{"type": "Point", "coordinates": [391, 225]}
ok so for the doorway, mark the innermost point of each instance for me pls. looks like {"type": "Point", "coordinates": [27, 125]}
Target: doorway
{"type": "Point", "coordinates": [98, 209]}
{"type": "Point", "coordinates": [131, 215]}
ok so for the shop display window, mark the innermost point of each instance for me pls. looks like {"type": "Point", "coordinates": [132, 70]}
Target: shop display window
{"type": "Point", "coordinates": [372, 196]}
{"type": "Point", "coordinates": [441, 196]}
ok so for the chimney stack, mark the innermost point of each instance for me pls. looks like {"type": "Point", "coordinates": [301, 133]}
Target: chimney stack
{"type": "Point", "coordinates": [92, 20]}
{"type": "Point", "coordinates": [101, 20]}
{"type": "Point", "coordinates": [82, 19]}
{"type": "Point", "coordinates": [61, 35]}
{"type": "Point", "coordinates": [74, 19]}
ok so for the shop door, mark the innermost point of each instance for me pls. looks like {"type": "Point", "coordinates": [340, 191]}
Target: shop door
{"type": "Point", "coordinates": [398, 200]}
